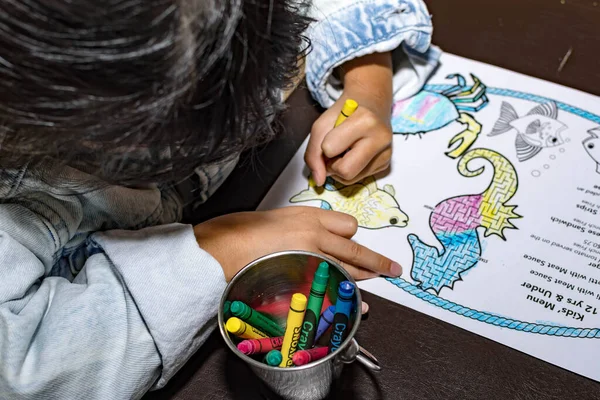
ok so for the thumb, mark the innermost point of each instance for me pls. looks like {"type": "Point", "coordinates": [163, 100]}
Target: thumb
{"type": "Point", "coordinates": [314, 158]}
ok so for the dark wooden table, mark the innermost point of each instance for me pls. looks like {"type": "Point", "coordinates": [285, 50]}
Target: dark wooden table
{"type": "Point", "coordinates": [424, 358]}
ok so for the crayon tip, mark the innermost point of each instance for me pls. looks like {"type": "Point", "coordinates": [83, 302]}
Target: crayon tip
{"type": "Point", "coordinates": [227, 309]}
{"type": "Point", "coordinates": [298, 302]}
{"type": "Point", "coordinates": [346, 289]}
{"type": "Point", "coordinates": [237, 308]}
{"type": "Point", "coordinates": [322, 274]}
{"type": "Point", "coordinates": [234, 325]}
{"type": "Point", "coordinates": [273, 358]}
{"type": "Point", "coordinates": [245, 347]}
{"type": "Point", "coordinates": [300, 358]}
{"type": "Point", "coordinates": [349, 106]}
{"type": "Point", "coordinates": [329, 313]}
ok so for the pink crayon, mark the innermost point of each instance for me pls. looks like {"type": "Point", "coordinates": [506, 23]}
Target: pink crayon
{"type": "Point", "coordinates": [302, 357]}
{"type": "Point", "coordinates": [257, 346]}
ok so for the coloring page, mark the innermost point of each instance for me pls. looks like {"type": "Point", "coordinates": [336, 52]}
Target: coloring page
{"type": "Point", "coordinates": [491, 206]}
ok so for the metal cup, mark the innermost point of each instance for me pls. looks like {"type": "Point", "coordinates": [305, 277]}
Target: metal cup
{"type": "Point", "coordinates": [267, 285]}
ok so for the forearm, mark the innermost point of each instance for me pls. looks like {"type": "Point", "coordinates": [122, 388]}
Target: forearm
{"type": "Point", "coordinates": [58, 339]}
{"type": "Point", "coordinates": [355, 29]}
{"type": "Point", "coordinates": [143, 303]}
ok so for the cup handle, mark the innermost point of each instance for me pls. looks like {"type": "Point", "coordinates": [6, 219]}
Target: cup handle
{"type": "Point", "coordinates": [367, 359]}
{"type": "Point", "coordinates": [355, 352]}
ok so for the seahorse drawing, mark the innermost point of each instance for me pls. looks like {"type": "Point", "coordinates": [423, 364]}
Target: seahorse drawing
{"type": "Point", "coordinates": [455, 222]}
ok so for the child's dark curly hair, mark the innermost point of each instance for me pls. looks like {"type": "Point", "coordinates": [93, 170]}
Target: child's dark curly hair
{"type": "Point", "coordinates": [139, 91]}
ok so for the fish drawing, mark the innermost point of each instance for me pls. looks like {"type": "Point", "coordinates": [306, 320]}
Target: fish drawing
{"type": "Point", "coordinates": [592, 146]}
{"type": "Point", "coordinates": [537, 130]}
{"type": "Point", "coordinates": [373, 208]}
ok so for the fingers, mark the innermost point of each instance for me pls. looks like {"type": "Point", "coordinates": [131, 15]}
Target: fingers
{"type": "Point", "coordinates": [340, 139]}
{"type": "Point", "coordinates": [358, 256]}
{"type": "Point", "coordinates": [313, 157]}
{"type": "Point", "coordinates": [358, 274]}
{"type": "Point", "coordinates": [341, 224]}
{"type": "Point", "coordinates": [364, 308]}
{"type": "Point", "coordinates": [362, 124]}
{"type": "Point", "coordinates": [359, 147]}
{"type": "Point", "coordinates": [362, 161]}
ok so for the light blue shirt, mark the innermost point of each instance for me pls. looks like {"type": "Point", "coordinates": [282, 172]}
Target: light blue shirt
{"type": "Point", "coordinates": [103, 294]}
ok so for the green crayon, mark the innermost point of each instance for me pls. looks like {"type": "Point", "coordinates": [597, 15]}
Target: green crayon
{"type": "Point", "coordinates": [256, 319]}
{"type": "Point", "coordinates": [273, 358]}
{"type": "Point", "coordinates": [313, 309]}
{"type": "Point", "coordinates": [226, 310]}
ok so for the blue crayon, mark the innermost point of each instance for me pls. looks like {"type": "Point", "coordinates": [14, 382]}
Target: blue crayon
{"type": "Point", "coordinates": [325, 321]}
{"type": "Point", "coordinates": [341, 318]}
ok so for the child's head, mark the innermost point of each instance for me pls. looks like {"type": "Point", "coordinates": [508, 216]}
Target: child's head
{"type": "Point", "coordinates": [142, 90]}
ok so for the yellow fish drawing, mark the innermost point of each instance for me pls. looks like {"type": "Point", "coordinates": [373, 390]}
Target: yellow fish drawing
{"type": "Point", "coordinates": [372, 207]}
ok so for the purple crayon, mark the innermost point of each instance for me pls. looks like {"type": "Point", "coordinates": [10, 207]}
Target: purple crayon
{"type": "Point", "coordinates": [325, 321]}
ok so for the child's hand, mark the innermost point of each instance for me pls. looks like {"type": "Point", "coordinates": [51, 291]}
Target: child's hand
{"type": "Point", "coordinates": [237, 239]}
{"type": "Point", "coordinates": [366, 134]}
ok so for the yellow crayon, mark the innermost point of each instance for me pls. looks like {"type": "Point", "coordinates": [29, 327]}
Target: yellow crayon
{"type": "Point", "coordinates": [347, 110]}
{"type": "Point", "coordinates": [293, 329]}
{"type": "Point", "coordinates": [243, 330]}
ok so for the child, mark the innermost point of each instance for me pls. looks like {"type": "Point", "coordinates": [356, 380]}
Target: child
{"type": "Point", "coordinates": [109, 109]}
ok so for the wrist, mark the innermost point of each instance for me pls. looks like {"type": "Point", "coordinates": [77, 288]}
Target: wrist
{"type": "Point", "coordinates": [212, 239]}
{"type": "Point", "coordinates": [369, 80]}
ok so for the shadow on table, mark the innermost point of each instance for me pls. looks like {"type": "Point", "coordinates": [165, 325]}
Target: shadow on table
{"type": "Point", "coordinates": [245, 385]}
{"type": "Point", "coordinates": [215, 372]}
{"type": "Point", "coordinates": [192, 381]}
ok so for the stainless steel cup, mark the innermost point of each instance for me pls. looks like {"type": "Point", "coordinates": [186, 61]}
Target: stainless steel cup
{"type": "Point", "coordinates": [267, 285]}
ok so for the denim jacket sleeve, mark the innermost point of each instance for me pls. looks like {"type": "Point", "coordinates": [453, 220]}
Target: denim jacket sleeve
{"type": "Point", "coordinates": [347, 29]}
{"type": "Point", "coordinates": [141, 305]}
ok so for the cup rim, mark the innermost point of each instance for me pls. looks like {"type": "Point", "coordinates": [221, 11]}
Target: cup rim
{"type": "Point", "coordinates": [261, 365]}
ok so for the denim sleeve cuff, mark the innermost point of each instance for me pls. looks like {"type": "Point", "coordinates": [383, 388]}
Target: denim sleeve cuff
{"type": "Point", "coordinates": [364, 27]}
{"type": "Point", "coordinates": [175, 285]}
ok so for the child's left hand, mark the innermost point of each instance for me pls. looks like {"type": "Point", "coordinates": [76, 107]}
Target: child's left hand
{"type": "Point", "coordinates": [366, 135]}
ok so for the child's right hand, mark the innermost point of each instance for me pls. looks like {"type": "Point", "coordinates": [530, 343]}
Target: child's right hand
{"type": "Point", "coordinates": [237, 239]}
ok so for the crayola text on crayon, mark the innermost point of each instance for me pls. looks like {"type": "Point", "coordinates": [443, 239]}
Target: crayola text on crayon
{"type": "Point", "coordinates": [293, 347]}
{"type": "Point", "coordinates": [307, 326]}
{"type": "Point", "coordinates": [337, 335]}
{"type": "Point", "coordinates": [293, 328]}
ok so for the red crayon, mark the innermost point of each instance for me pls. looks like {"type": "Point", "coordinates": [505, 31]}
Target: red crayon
{"type": "Point", "coordinates": [256, 346]}
{"type": "Point", "coordinates": [302, 357]}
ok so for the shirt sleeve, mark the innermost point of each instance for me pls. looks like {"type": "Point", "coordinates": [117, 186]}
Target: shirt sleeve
{"type": "Point", "coordinates": [143, 303]}
{"type": "Point", "coordinates": [346, 29]}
